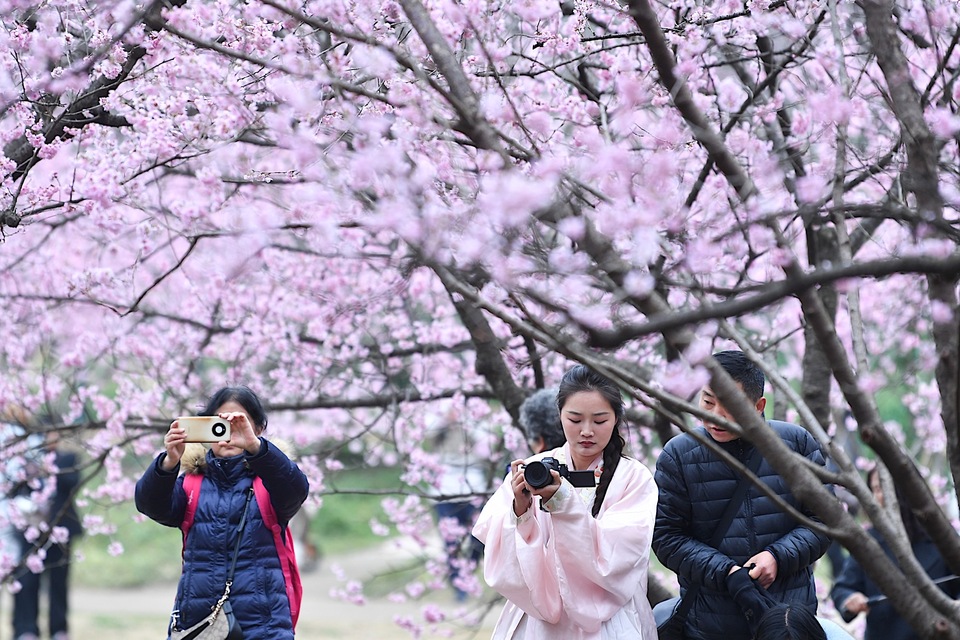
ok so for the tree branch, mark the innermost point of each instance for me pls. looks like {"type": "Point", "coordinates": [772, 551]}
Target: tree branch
{"type": "Point", "coordinates": [791, 286]}
{"type": "Point", "coordinates": [663, 59]}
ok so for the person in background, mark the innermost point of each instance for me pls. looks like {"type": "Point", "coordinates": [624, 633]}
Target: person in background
{"type": "Point", "coordinates": [259, 592]}
{"type": "Point", "coordinates": [853, 589]}
{"type": "Point", "coordinates": [18, 447]}
{"type": "Point", "coordinates": [40, 478]}
{"type": "Point", "coordinates": [572, 561]}
{"type": "Point", "coordinates": [695, 487]}
{"type": "Point", "coordinates": [836, 555]}
{"type": "Point", "coordinates": [60, 514]}
{"type": "Point", "coordinates": [463, 476]}
{"type": "Point", "coordinates": [540, 421]}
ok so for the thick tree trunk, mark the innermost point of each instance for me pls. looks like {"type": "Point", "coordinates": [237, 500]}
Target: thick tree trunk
{"type": "Point", "coordinates": [946, 336]}
{"type": "Point", "coordinates": [822, 248]}
{"type": "Point", "coordinates": [916, 599]}
{"type": "Point", "coordinates": [921, 178]}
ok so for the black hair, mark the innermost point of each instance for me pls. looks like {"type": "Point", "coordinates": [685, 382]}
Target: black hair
{"type": "Point", "coordinates": [243, 396]}
{"type": "Point", "coordinates": [539, 418]}
{"type": "Point", "coordinates": [789, 622]}
{"type": "Point", "coordinates": [580, 378]}
{"type": "Point", "coordinates": [744, 371]}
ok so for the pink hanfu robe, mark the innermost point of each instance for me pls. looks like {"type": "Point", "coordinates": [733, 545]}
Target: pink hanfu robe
{"type": "Point", "coordinates": [567, 575]}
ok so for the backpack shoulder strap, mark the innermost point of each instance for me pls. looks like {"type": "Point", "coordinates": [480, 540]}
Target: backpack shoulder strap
{"type": "Point", "coordinates": [191, 486]}
{"type": "Point", "coordinates": [283, 540]}
{"type": "Point", "coordinates": [192, 482]}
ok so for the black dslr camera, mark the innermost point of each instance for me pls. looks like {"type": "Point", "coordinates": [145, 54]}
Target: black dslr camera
{"type": "Point", "coordinates": [537, 474]}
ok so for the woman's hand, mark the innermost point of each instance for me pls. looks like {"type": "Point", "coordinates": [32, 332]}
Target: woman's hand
{"type": "Point", "coordinates": [174, 442]}
{"type": "Point", "coordinates": [523, 493]}
{"type": "Point", "coordinates": [242, 432]}
{"type": "Point", "coordinates": [522, 500]}
{"type": "Point", "coordinates": [548, 491]}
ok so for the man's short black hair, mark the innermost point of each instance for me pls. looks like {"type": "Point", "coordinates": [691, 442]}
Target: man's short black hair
{"type": "Point", "coordinates": [742, 370]}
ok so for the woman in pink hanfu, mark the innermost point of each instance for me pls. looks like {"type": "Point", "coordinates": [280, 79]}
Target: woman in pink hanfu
{"type": "Point", "coordinates": [574, 567]}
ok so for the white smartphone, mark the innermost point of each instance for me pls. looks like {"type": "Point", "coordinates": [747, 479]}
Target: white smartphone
{"type": "Point", "coordinates": [205, 428]}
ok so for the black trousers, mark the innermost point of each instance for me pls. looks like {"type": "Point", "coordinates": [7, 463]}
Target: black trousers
{"type": "Point", "coordinates": [26, 602]}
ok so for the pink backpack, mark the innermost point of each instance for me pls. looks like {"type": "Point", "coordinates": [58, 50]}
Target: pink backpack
{"type": "Point", "coordinates": [282, 536]}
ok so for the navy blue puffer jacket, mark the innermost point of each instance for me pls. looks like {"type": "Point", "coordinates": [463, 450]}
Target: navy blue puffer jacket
{"type": "Point", "coordinates": [258, 595]}
{"type": "Point", "coordinates": [695, 486]}
{"type": "Point", "coordinates": [883, 621]}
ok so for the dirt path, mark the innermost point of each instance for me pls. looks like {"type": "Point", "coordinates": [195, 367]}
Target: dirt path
{"type": "Point", "coordinates": [142, 613]}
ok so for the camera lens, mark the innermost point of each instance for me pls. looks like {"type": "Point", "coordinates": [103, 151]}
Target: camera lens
{"type": "Point", "coordinates": [537, 475]}
{"type": "Point", "coordinates": [219, 429]}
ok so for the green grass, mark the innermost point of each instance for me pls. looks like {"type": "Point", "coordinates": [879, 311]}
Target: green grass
{"type": "Point", "coordinates": [152, 551]}
{"type": "Point", "coordinates": [890, 406]}
{"type": "Point", "coordinates": [343, 522]}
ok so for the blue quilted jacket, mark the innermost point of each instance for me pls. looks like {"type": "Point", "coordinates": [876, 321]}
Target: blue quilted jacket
{"type": "Point", "coordinates": [695, 486]}
{"type": "Point", "coordinates": [258, 595]}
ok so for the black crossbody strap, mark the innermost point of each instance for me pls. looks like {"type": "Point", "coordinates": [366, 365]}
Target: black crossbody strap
{"type": "Point", "coordinates": [752, 464]}
{"type": "Point", "coordinates": [736, 500]}
{"type": "Point", "coordinates": [202, 626]}
{"type": "Point", "coordinates": [241, 527]}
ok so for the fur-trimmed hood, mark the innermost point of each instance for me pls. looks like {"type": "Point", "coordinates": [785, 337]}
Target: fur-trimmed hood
{"type": "Point", "coordinates": [194, 458]}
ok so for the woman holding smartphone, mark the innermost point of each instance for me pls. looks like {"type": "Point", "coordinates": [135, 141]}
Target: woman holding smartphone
{"type": "Point", "coordinates": [227, 497]}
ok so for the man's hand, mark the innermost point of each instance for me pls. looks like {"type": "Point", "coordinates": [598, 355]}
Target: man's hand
{"type": "Point", "coordinates": [765, 571]}
{"type": "Point", "coordinates": [856, 603]}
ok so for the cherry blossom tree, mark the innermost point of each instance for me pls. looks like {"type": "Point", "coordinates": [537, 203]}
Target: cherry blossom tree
{"type": "Point", "coordinates": [385, 216]}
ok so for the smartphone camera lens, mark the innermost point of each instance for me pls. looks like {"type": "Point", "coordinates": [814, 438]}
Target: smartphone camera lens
{"type": "Point", "coordinates": [219, 429]}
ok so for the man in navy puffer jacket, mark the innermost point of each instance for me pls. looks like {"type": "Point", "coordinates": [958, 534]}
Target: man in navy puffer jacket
{"type": "Point", "coordinates": [695, 487]}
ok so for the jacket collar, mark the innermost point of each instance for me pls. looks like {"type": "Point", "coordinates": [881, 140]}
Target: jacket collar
{"type": "Point", "coordinates": [223, 470]}
{"type": "Point", "coordinates": [739, 448]}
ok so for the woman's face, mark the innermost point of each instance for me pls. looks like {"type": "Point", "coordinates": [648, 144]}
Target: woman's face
{"type": "Point", "coordinates": [230, 447]}
{"type": "Point", "coordinates": [588, 421]}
